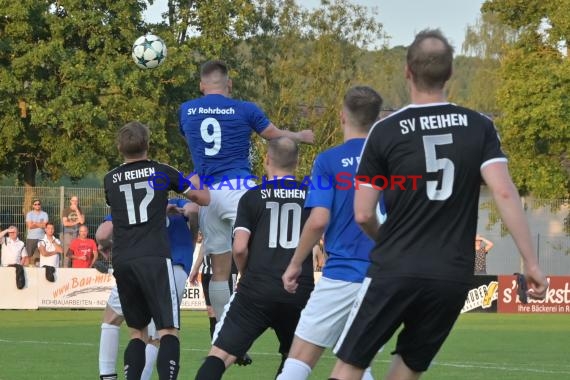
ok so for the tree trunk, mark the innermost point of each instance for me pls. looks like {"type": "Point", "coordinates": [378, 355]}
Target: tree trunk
{"type": "Point", "coordinates": [30, 170]}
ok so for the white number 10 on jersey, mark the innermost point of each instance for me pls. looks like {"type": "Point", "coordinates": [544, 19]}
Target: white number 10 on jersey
{"type": "Point", "coordinates": [279, 224]}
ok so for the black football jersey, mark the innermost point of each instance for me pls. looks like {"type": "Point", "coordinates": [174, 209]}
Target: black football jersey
{"type": "Point", "coordinates": [432, 220]}
{"type": "Point", "coordinates": [137, 193]}
{"type": "Point", "coordinates": [274, 214]}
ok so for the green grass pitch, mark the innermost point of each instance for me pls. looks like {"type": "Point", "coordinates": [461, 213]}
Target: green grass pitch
{"type": "Point", "coordinates": [49, 344]}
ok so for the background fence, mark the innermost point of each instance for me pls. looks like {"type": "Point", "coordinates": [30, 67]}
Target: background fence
{"type": "Point", "coordinates": [549, 221]}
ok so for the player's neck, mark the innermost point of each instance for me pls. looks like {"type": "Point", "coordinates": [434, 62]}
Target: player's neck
{"type": "Point", "coordinates": [135, 159]}
{"type": "Point", "coordinates": [277, 173]}
{"type": "Point", "coordinates": [427, 97]}
{"type": "Point", "coordinates": [350, 134]}
{"type": "Point", "coordinates": [222, 92]}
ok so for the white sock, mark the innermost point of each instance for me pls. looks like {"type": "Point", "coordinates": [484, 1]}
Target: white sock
{"type": "Point", "coordinates": [108, 349]}
{"type": "Point", "coordinates": [219, 296]}
{"type": "Point", "coordinates": [367, 375]}
{"type": "Point", "coordinates": [151, 352]}
{"type": "Point", "coordinates": [294, 369]}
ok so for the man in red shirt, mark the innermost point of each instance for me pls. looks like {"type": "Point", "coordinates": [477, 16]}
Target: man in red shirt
{"type": "Point", "coordinates": [82, 250]}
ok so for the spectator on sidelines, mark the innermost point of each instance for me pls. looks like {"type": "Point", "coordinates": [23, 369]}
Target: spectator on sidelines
{"type": "Point", "coordinates": [36, 220]}
{"type": "Point", "coordinates": [72, 219]}
{"type": "Point", "coordinates": [82, 250]}
{"type": "Point", "coordinates": [482, 248]}
{"type": "Point", "coordinates": [50, 248]}
{"type": "Point", "coordinates": [13, 249]}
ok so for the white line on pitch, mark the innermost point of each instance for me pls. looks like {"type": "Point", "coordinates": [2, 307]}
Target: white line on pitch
{"type": "Point", "coordinates": [493, 366]}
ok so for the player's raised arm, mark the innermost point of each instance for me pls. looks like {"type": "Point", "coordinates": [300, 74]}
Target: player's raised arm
{"type": "Point", "coordinates": [305, 136]}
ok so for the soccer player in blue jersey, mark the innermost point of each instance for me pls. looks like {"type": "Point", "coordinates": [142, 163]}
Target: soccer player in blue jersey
{"type": "Point", "coordinates": [218, 131]}
{"type": "Point", "coordinates": [182, 227]}
{"type": "Point", "coordinates": [347, 246]}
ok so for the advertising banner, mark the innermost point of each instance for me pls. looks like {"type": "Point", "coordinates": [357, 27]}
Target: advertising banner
{"type": "Point", "coordinates": [13, 298]}
{"type": "Point", "coordinates": [557, 297]}
{"type": "Point", "coordinates": [483, 295]}
{"type": "Point", "coordinates": [75, 288]}
{"type": "Point", "coordinates": [193, 297]}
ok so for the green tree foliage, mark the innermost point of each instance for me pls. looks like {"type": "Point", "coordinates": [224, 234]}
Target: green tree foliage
{"type": "Point", "coordinates": [533, 95]}
{"type": "Point", "coordinates": [304, 60]}
{"type": "Point", "coordinates": [67, 82]}
{"type": "Point", "coordinates": [385, 71]}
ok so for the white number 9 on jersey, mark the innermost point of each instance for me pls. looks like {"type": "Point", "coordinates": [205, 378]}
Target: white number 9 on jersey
{"type": "Point", "coordinates": [214, 137]}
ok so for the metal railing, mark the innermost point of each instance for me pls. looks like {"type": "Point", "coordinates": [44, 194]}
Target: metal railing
{"type": "Point", "coordinates": [549, 221]}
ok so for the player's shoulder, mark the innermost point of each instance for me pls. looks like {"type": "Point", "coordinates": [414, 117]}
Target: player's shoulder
{"type": "Point", "coordinates": [472, 114]}
{"type": "Point", "coordinates": [167, 168]}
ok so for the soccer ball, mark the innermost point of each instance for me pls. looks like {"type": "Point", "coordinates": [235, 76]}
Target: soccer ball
{"type": "Point", "coordinates": [149, 51]}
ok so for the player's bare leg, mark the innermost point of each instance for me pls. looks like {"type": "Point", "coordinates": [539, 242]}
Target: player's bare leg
{"type": "Point", "coordinates": [346, 371]}
{"type": "Point", "coordinates": [302, 358]}
{"type": "Point", "coordinates": [400, 371]}
{"type": "Point", "coordinates": [219, 291]}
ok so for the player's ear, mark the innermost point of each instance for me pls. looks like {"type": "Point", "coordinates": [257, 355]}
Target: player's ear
{"type": "Point", "coordinates": [230, 85]}
{"type": "Point", "coordinates": [201, 87]}
{"type": "Point", "coordinates": [407, 72]}
{"type": "Point", "coordinates": [342, 117]}
{"type": "Point", "coordinates": [266, 160]}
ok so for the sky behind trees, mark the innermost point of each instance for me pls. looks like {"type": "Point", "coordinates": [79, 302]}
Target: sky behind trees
{"type": "Point", "coordinates": [401, 19]}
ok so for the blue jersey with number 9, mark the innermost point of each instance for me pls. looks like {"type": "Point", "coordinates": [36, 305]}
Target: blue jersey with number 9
{"type": "Point", "coordinates": [218, 132]}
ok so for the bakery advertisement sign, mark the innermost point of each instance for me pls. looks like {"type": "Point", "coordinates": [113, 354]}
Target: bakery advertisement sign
{"type": "Point", "coordinates": [557, 298]}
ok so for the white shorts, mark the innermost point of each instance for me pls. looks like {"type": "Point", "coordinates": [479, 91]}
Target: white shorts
{"type": "Point", "coordinates": [180, 278]}
{"type": "Point", "coordinates": [113, 302]}
{"type": "Point", "coordinates": [218, 218]}
{"type": "Point", "coordinates": [323, 319]}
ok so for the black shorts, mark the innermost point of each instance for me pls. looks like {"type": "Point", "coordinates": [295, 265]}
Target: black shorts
{"type": "Point", "coordinates": [147, 289]}
{"type": "Point", "coordinates": [247, 318]}
{"type": "Point", "coordinates": [427, 308]}
{"type": "Point", "coordinates": [205, 279]}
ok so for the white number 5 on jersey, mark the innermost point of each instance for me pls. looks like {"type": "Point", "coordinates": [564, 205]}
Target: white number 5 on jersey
{"type": "Point", "coordinates": [434, 164]}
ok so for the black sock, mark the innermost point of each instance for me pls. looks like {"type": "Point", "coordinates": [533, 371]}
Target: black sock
{"type": "Point", "coordinates": [212, 369]}
{"type": "Point", "coordinates": [168, 359]}
{"type": "Point", "coordinates": [212, 326]}
{"type": "Point", "coordinates": [134, 359]}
